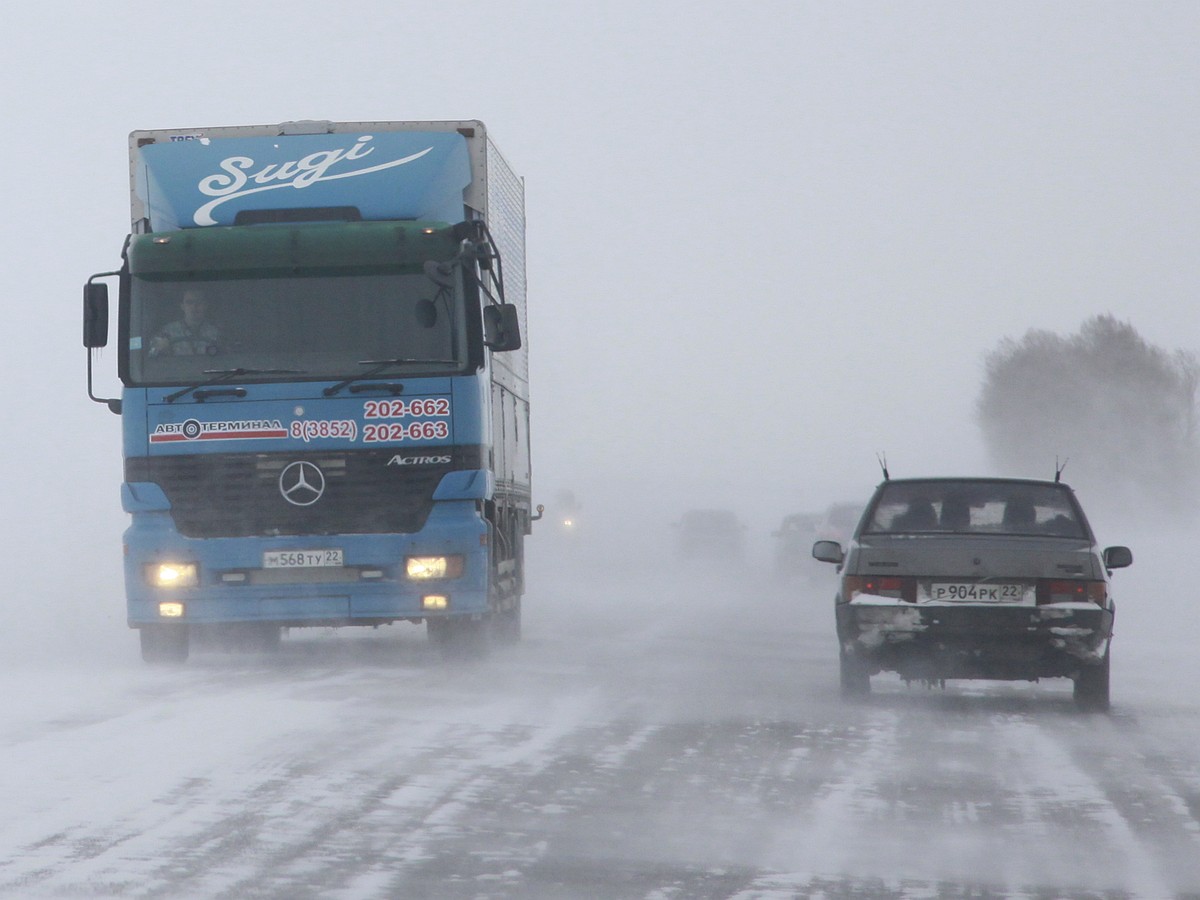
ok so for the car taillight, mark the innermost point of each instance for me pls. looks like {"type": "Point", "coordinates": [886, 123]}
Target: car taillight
{"type": "Point", "coordinates": [1067, 590]}
{"type": "Point", "coordinates": [880, 586]}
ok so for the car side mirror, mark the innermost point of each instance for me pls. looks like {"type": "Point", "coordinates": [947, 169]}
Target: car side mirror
{"type": "Point", "coordinates": [828, 551]}
{"type": "Point", "coordinates": [1117, 557]}
{"type": "Point", "coordinates": [95, 314]}
{"type": "Point", "coordinates": [501, 331]}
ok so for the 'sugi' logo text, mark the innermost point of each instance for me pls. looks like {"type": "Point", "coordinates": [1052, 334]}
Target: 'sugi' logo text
{"type": "Point", "coordinates": [238, 172]}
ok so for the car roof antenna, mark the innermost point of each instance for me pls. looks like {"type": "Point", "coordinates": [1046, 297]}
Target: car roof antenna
{"type": "Point", "coordinates": [882, 457]}
{"type": "Point", "coordinates": [1059, 467]}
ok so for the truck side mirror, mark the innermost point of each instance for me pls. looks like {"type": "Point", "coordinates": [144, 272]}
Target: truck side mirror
{"type": "Point", "coordinates": [501, 330]}
{"type": "Point", "coordinates": [95, 314]}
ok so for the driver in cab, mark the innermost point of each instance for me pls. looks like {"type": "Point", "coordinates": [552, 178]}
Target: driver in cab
{"type": "Point", "coordinates": [191, 335]}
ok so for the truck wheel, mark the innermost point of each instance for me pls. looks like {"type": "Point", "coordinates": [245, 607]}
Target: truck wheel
{"type": "Point", "coordinates": [459, 638]}
{"type": "Point", "coordinates": [164, 644]}
{"type": "Point", "coordinates": [855, 678]}
{"type": "Point", "coordinates": [1091, 687]}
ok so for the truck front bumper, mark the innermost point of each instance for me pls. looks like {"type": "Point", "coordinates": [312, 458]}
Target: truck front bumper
{"type": "Point", "coordinates": [231, 582]}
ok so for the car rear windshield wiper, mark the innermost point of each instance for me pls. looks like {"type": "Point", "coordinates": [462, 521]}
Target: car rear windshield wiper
{"type": "Point", "coordinates": [220, 375]}
{"type": "Point", "coordinates": [381, 365]}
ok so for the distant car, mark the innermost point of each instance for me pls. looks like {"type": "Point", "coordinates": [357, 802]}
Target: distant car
{"type": "Point", "coordinates": [989, 578]}
{"type": "Point", "coordinates": [711, 534]}
{"type": "Point", "coordinates": [567, 509]}
{"type": "Point", "coordinates": [793, 541]}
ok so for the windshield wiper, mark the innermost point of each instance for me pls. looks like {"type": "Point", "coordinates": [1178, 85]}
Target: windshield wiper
{"type": "Point", "coordinates": [381, 365]}
{"type": "Point", "coordinates": [220, 375]}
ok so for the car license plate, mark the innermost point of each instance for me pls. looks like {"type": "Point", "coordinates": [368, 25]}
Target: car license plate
{"type": "Point", "coordinates": [301, 559]}
{"type": "Point", "coordinates": [987, 592]}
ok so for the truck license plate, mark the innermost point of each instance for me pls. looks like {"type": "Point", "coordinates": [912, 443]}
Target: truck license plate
{"type": "Point", "coordinates": [301, 559]}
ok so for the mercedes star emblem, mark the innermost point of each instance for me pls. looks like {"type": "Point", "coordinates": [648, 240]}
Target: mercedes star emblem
{"type": "Point", "coordinates": [301, 483]}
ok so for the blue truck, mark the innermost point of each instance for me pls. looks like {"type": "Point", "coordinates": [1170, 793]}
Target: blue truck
{"type": "Point", "coordinates": [324, 383]}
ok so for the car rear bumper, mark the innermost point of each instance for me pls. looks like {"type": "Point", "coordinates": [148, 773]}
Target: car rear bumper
{"type": "Point", "coordinates": [934, 642]}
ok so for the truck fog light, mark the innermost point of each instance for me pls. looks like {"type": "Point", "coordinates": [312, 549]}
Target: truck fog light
{"type": "Point", "coordinates": [168, 575]}
{"type": "Point", "coordinates": [424, 568]}
{"type": "Point", "coordinates": [170, 610]}
{"type": "Point", "coordinates": [435, 601]}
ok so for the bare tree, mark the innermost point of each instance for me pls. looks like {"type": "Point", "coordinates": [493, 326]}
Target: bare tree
{"type": "Point", "coordinates": [1122, 410]}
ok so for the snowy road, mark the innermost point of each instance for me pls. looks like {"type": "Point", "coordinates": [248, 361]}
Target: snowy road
{"type": "Point", "coordinates": [653, 737]}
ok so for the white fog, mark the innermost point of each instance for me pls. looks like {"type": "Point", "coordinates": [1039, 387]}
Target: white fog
{"type": "Point", "coordinates": [766, 246]}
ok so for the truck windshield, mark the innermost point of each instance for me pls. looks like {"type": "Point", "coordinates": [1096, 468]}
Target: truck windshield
{"type": "Point", "coordinates": [318, 326]}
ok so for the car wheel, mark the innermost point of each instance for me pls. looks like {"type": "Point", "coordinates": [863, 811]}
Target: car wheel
{"type": "Point", "coordinates": [1091, 687]}
{"type": "Point", "coordinates": [855, 678]}
{"type": "Point", "coordinates": [164, 644]}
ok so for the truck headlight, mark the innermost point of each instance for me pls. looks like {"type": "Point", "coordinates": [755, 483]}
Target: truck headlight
{"type": "Point", "coordinates": [169, 575]}
{"type": "Point", "coordinates": [424, 568]}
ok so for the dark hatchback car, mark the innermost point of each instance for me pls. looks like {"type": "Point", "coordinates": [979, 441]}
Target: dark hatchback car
{"type": "Point", "coordinates": [988, 578]}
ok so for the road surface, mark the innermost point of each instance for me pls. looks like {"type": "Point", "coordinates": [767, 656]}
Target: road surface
{"type": "Point", "coordinates": [660, 733]}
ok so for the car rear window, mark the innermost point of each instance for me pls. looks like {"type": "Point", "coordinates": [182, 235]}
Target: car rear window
{"type": "Point", "coordinates": [975, 507]}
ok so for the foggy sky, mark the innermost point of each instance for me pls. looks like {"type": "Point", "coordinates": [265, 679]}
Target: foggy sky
{"type": "Point", "coordinates": [765, 242]}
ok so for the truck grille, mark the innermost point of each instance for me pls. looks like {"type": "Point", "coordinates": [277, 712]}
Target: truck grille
{"type": "Point", "coordinates": [238, 495]}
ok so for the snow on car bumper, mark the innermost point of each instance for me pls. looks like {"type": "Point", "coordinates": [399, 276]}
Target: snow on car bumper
{"type": "Point", "coordinates": [968, 640]}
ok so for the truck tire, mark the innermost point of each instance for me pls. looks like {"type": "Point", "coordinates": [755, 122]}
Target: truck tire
{"type": "Point", "coordinates": [855, 677]}
{"type": "Point", "coordinates": [1091, 687]}
{"type": "Point", "coordinates": [164, 644]}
